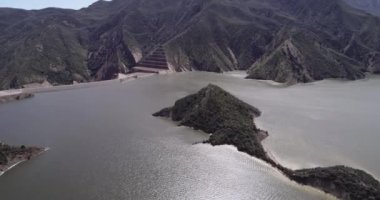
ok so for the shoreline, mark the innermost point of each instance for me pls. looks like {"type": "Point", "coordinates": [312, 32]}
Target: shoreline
{"type": "Point", "coordinates": [16, 162]}
{"type": "Point", "coordinates": [5, 98]}
{"type": "Point", "coordinates": [278, 173]}
{"type": "Point", "coordinates": [10, 167]}
{"type": "Point", "coordinates": [122, 78]}
{"type": "Point", "coordinates": [27, 92]}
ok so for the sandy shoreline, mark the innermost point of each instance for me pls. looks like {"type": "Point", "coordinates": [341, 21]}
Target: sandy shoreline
{"type": "Point", "coordinates": [43, 88]}
{"type": "Point", "coordinates": [280, 175]}
{"type": "Point", "coordinates": [13, 163]}
{"type": "Point", "coordinates": [10, 167]}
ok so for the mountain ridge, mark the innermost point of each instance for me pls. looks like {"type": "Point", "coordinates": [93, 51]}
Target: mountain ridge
{"type": "Point", "coordinates": [109, 37]}
{"type": "Point", "coordinates": [370, 6]}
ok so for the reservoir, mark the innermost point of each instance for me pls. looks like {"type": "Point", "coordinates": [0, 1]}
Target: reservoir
{"type": "Point", "coordinates": [105, 144]}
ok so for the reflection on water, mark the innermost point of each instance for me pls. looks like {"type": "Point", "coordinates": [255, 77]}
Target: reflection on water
{"type": "Point", "coordinates": [106, 145]}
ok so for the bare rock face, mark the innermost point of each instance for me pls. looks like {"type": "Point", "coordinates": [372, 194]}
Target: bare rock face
{"type": "Point", "coordinates": [230, 121]}
{"type": "Point", "coordinates": [304, 58]}
{"type": "Point", "coordinates": [109, 54]}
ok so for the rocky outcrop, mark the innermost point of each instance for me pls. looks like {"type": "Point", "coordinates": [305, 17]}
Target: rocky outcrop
{"type": "Point", "coordinates": [341, 181]}
{"type": "Point", "coordinates": [230, 121]}
{"type": "Point", "coordinates": [215, 111]}
{"type": "Point", "coordinates": [109, 54]}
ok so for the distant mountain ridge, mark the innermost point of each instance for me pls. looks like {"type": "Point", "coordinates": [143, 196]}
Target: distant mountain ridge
{"type": "Point", "coordinates": [371, 6]}
{"type": "Point", "coordinates": [282, 40]}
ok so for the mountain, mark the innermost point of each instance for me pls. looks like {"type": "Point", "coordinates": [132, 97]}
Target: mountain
{"type": "Point", "coordinates": [371, 6]}
{"type": "Point", "coordinates": [281, 40]}
{"type": "Point", "coordinates": [323, 39]}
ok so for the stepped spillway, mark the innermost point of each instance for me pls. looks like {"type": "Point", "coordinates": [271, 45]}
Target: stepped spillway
{"type": "Point", "coordinates": [153, 63]}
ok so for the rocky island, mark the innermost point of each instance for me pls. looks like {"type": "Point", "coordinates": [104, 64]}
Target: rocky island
{"type": "Point", "coordinates": [11, 156]}
{"type": "Point", "coordinates": [341, 181]}
{"type": "Point", "coordinates": [230, 121]}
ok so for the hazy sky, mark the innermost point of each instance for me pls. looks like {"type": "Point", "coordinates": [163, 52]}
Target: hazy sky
{"type": "Point", "coordinates": [38, 4]}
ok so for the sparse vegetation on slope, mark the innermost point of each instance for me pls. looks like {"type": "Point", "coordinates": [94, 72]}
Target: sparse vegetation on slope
{"type": "Point", "coordinates": [107, 38]}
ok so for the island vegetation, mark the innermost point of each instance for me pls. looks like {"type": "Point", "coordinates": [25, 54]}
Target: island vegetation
{"type": "Point", "coordinates": [10, 156]}
{"type": "Point", "coordinates": [230, 122]}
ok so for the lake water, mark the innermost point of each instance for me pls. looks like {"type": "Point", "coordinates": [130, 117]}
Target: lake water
{"type": "Point", "coordinates": [106, 145]}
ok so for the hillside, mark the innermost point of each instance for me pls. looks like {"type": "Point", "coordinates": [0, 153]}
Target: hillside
{"type": "Point", "coordinates": [281, 40]}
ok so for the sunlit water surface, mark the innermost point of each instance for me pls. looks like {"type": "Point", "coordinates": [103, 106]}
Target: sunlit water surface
{"type": "Point", "coordinates": [106, 145]}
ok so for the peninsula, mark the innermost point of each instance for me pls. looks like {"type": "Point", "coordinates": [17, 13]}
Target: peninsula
{"type": "Point", "coordinates": [10, 156]}
{"type": "Point", "coordinates": [230, 121]}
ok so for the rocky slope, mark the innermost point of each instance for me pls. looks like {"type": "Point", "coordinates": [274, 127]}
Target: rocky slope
{"type": "Point", "coordinates": [282, 40]}
{"type": "Point", "coordinates": [230, 121]}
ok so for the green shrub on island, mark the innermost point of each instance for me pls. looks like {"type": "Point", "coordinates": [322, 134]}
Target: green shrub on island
{"type": "Point", "coordinates": [8, 153]}
{"type": "Point", "coordinates": [3, 158]}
